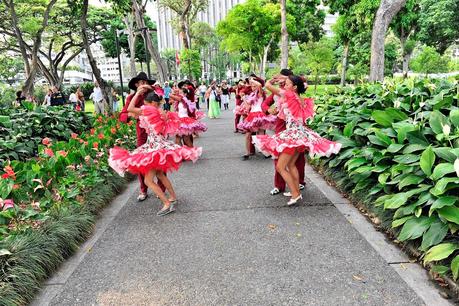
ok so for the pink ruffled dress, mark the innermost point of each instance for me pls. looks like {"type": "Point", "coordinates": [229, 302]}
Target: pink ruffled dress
{"type": "Point", "coordinates": [188, 124]}
{"type": "Point", "coordinates": [157, 153]}
{"type": "Point", "coordinates": [256, 119]}
{"type": "Point", "coordinates": [296, 136]}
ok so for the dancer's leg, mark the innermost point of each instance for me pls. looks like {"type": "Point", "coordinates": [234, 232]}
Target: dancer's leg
{"type": "Point", "coordinates": [248, 142]}
{"type": "Point", "coordinates": [279, 182]}
{"type": "Point", "coordinates": [167, 183]}
{"type": "Point", "coordinates": [188, 140]}
{"type": "Point", "coordinates": [151, 184]}
{"type": "Point", "coordinates": [143, 186]}
{"type": "Point", "coordinates": [178, 140]}
{"type": "Point", "coordinates": [281, 167]}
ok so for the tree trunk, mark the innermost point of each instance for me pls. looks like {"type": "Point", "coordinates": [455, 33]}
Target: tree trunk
{"type": "Point", "coordinates": [344, 63]}
{"type": "Point", "coordinates": [154, 54]}
{"type": "Point", "coordinates": [132, 38]}
{"type": "Point", "coordinates": [284, 35]}
{"type": "Point", "coordinates": [265, 56]}
{"type": "Point", "coordinates": [106, 90]}
{"type": "Point", "coordinates": [386, 11]}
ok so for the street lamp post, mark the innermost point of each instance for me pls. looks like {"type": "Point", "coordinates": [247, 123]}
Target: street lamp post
{"type": "Point", "coordinates": [119, 63]}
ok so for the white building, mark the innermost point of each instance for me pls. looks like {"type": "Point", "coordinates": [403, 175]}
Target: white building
{"type": "Point", "coordinates": [169, 38]}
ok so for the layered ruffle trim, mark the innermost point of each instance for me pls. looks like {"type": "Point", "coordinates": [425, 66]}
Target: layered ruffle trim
{"type": "Point", "coordinates": [122, 161]}
{"type": "Point", "coordinates": [272, 146]}
{"type": "Point", "coordinates": [257, 121]}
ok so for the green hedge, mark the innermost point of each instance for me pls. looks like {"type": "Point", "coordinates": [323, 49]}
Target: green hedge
{"type": "Point", "coordinates": [400, 157]}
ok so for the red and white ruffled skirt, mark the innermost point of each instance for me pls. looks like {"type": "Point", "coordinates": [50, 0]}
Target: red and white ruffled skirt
{"type": "Point", "coordinates": [257, 121]}
{"type": "Point", "coordinates": [291, 140]}
{"type": "Point", "coordinates": [190, 126]}
{"type": "Point", "coordinates": [159, 155]}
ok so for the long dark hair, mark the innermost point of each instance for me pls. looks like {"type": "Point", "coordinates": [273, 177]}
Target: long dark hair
{"type": "Point", "coordinates": [298, 82]}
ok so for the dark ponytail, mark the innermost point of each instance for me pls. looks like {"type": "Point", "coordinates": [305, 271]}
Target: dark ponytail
{"type": "Point", "coordinates": [298, 82]}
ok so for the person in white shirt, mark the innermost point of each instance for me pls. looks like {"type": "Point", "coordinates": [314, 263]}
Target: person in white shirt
{"type": "Point", "coordinates": [202, 93]}
{"type": "Point", "coordinates": [73, 99]}
{"type": "Point", "coordinates": [98, 99]}
{"type": "Point", "coordinates": [47, 101]}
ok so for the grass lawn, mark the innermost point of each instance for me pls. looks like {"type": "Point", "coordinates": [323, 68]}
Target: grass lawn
{"type": "Point", "coordinates": [321, 89]}
{"type": "Point", "coordinates": [89, 107]}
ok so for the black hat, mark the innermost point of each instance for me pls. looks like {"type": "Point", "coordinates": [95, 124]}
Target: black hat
{"type": "Point", "coordinates": [139, 77]}
{"type": "Point", "coordinates": [180, 84]}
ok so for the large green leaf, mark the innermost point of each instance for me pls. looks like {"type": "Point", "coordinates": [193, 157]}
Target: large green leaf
{"type": "Point", "coordinates": [450, 213]}
{"type": "Point", "coordinates": [436, 121]}
{"type": "Point", "coordinates": [382, 117]}
{"type": "Point", "coordinates": [349, 128]}
{"type": "Point", "coordinates": [395, 147]}
{"type": "Point", "coordinates": [442, 202]}
{"type": "Point", "coordinates": [455, 267]}
{"type": "Point", "coordinates": [440, 251]}
{"type": "Point", "coordinates": [402, 129]}
{"type": "Point", "coordinates": [436, 233]}
{"type": "Point", "coordinates": [415, 228]}
{"type": "Point", "coordinates": [406, 158]}
{"type": "Point", "coordinates": [355, 162]}
{"type": "Point", "coordinates": [416, 137]}
{"type": "Point", "coordinates": [440, 186]}
{"type": "Point", "coordinates": [410, 180]}
{"type": "Point", "coordinates": [413, 148]}
{"type": "Point", "coordinates": [454, 117]}
{"type": "Point", "coordinates": [441, 170]}
{"type": "Point", "coordinates": [446, 153]}
{"type": "Point", "coordinates": [401, 221]}
{"type": "Point", "coordinates": [396, 114]}
{"type": "Point", "coordinates": [427, 160]}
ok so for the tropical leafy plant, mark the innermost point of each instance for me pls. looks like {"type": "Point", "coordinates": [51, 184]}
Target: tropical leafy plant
{"type": "Point", "coordinates": [401, 155]}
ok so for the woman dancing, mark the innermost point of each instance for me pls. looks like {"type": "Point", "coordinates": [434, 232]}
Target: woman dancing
{"type": "Point", "coordinates": [256, 121]}
{"type": "Point", "coordinates": [186, 110]}
{"type": "Point", "coordinates": [157, 156]}
{"type": "Point", "coordinates": [287, 145]}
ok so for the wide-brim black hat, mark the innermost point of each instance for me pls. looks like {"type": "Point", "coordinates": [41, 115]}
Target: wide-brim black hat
{"type": "Point", "coordinates": [141, 76]}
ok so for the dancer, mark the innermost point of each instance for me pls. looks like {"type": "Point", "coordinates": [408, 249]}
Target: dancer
{"type": "Point", "coordinates": [157, 156]}
{"type": "Point", "coordinates": [256, 121]}
{"type": "Point", "coordinates": [138, 97]}
{"type": "Point", "coordinates": [186, 110]}
{"type": "Point", "coordinates": [269, 107]}
{"type": "Point", "coordinates": [214, 108]}
{"type": "Point", "coordinates": [287, 145]}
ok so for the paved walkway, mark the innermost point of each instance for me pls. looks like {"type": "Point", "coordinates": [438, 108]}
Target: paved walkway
{"type": "Point", "coordinates": [230, 243]}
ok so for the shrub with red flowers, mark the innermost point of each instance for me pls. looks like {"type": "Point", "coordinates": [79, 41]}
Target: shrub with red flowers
{"type": "Point", "coordinates": [61, 174]}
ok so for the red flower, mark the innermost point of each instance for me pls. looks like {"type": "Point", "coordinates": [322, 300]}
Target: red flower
{"type": "Point", "coordinates": [130, 123]}
{"type": "Point", "coordinates": [92, 131]}
{"type": "Point", "coordinates": [46, 141]}
{"type": "Point", "coordinates": [5, 176]}
{"type": "Point", "coordinates": [62, 153]}
{"type": "Point", "coordinates": [16, 186]}
{"type": "Point", "coordinates": [74, 135]}
{"type": "Point", "coordinates": [95, 145]}
{"type": "Point", "coordinates": [49, 152]}
{"type": "Point", "coordinates": [100, 136]}
{"type": "Point", "coordinates": [81, 140]}
{"type": "Point", "coordinates": [99, 119]}
{"type": "Point", "coordinates": [9, 173]}
{"type": "Point", "coordinates": [113, 130]}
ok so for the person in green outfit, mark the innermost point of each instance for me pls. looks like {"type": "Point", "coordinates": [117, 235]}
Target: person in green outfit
{"type": "Point", "coordinates": [214, 108]}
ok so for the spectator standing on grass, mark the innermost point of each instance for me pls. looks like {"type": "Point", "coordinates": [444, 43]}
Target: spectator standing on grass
{"type": "Point", "coordinates": [98, 98]}
{"type": "Point", "coordinates": [81, 99]}
{"type": "Point", "coordinates": [47, 100]}
{"type": "Point", "coordinates": [57, 98]}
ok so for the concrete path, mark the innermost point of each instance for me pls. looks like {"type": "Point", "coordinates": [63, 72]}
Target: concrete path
{"type": "Point", "coordinates": [229, 243]}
